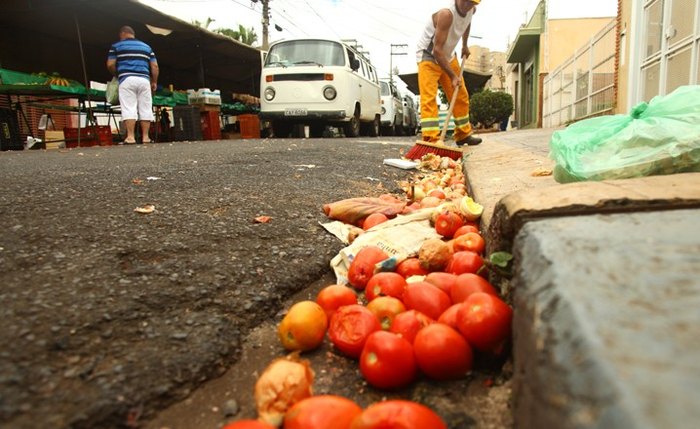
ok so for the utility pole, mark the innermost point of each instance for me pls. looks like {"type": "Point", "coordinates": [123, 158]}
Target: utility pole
{"type": "Point", "coordinates": [265, 23]}
{"type": "Point", "coordinates": [391, 59]}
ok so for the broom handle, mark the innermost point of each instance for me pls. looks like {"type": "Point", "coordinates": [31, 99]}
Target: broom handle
{"type": "Point", "coordinates": [452, 102]}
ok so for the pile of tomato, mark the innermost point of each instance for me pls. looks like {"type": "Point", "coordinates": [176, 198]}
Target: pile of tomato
{"type": "Point", "coordinates": [430, 316]}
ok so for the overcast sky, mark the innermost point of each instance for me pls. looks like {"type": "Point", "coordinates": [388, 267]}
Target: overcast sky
{"type": "Point", "coordinates": [376, 24]}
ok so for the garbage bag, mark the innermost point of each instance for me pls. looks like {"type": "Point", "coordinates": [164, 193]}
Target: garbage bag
{"type": "Point", "coordinates": [661, 137]}
{"type": "Point", "coordinates": [112, 91]}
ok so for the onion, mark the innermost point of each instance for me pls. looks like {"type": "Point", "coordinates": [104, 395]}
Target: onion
{"type": "Point", "coordinates": [284, 382]}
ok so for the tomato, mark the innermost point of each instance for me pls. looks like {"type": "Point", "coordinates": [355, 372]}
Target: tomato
{"type": "Point", "coordinates": [303, 327]}
{"type": "Point", "coordinates": [408, 323]}
{"type": "Point", "coordinates": [438, 193]}
{"type": "Point", "coordinates": [426, 298]}
{"type": "Point", "coordinates": [485, 321]}
{"type": "Point", "coordinates": [464, 262]}
{"type": "Point", "coordinates": [386, 308]}
{"type": "Point", "coordinates": [374, 219]}
{"type": "Point", "coordinates": [398, 414]}
{"type": "Point", "coordinates": [442, 353]}
{"type": "Point", "coordinates": [387, 361]}
{"type": "Point", "coordinates": [442, 280]}
{"type": "Point", "coordinates": [349, 328]}
{"type": "Point", "coordinates": [332, 297]}
{"type": "Point", "coordinates": [447, 223]}
{"type": "Point", "coordinates": [322, 412]}
{"type": "Point", "coordinates": [471, 241]}
{"type": "Point", "coordinates": [468, 283]}
{"type": "Point", "coordinates": [385, 284]}
{"type": "Point", "coordinates": [467, 227]}
{"type": "Point", "coordinates": [410, 267]}
{"type": "Point", "coordinates": [449, 316]}
{"type": "Point", "coordinates": [248, 424]}
{"type": "Point", "coordinates": [362, 266]}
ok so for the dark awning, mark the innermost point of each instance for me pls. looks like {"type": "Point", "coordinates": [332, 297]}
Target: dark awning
{"type": "Point", "coordinates": [42, 35]}
{"type": "Point", "coordinates": [474, 80]}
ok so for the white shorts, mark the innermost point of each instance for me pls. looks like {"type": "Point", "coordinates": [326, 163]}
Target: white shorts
{"type": "Point", "coordinates": [135, 99]}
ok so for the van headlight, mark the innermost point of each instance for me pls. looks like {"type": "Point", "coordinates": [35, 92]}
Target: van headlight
{"type": "Point", "coordinates": [329, 93]}
{"type": "Point", "coordinates": [269, 93]}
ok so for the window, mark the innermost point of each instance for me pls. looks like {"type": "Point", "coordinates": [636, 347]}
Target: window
{"type": "Point", "coordinates": [305, 52]}
{"type": "Point", "coordinates": [654, 28]}
{"type": "Point", "coordinates": [678, 73]}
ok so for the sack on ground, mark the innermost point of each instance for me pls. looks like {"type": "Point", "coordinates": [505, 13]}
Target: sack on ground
{"type": "Point", "coordinates": [661, 137]}
{"type": "Point", "coordinates": [112, 91]}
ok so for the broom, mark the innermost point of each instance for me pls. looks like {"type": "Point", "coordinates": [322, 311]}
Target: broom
{"type": "Point", "coordinates": [422, 148]}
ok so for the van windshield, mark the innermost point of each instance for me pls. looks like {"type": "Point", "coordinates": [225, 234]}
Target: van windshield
{"type": "Point", "coordinates": [385, 88]}
{"type": "Point", "coordinates": [305, 52]}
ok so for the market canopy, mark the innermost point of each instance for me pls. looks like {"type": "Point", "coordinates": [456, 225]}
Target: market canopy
{"type": "Point", "coordinates": [47, 36]}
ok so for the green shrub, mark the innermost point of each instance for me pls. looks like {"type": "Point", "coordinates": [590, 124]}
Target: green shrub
{"type": "Point", "coordinates": [490, 107]}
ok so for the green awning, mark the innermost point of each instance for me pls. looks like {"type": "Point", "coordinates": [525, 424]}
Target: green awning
{"type": "Point", "coordinates": [526, 42]}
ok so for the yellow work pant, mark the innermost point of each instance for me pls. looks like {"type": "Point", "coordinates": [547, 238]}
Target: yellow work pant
{"type": "Point", "coordinates": [429, 75]}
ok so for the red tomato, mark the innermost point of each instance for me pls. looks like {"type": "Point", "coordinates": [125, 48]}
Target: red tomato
{"type": "Point", "coordinates": [426, 298]}
{"type": "Point", "coordinates": [438, 193]}
{"type": "Point", "coordinates": [471, 241]}
{"type": "Point", "coordinates": [362, 266]}
{"type": "Point", "coordinates": [248, 424]}
{"type": "Point", "coordinates": [386, 308]}
{"type": "Point", "coordinates": [442, 280]}
{"type": "Point", "coordinates": [387, 361]}
{"type": "Point", "coordinates": [449, 316]}
{"type": "Point", "coordinates": [332, 297]}
{"type": "Point", "coordinates": [322, 412]}
{"type": "Point", "coordinates": [411, 267]}
{"type": "Point", "coordinates": [408, 323]}
{"type": "Point", "coordinates": [464, 262]}
{"type": "Point", "coordinates": [447, 223]}
{"type": "Point", "coordinates": [385, 284]}
{"type": "Point", "coordinates": [468, 283]}
{"type": "Point", "coordinates": [374, 219]}
{"type": "Point", "coordinates": [441, 352]}
{"type": "Point", "coordinates": [465, 229]}
{"type": "Point", "coordinates": [398, 414]}
{"type": "Point", "coordinates": [485, 321]}
{"type": "Point", "coordinates": [349, 328]}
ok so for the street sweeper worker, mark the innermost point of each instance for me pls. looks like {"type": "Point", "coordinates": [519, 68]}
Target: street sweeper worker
{"type": "Point", "coordinates": [437, 63]}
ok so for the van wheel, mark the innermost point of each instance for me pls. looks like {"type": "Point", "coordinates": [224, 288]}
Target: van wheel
{"type": "Point", "coordinates": [281, 129]}
{"type": "Point", "coordinates": [374, 127]}
{"type": "Point", "coordinates": [352, 127]}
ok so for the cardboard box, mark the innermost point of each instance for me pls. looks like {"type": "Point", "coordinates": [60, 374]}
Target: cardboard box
{"type": "Point", "coordinates": [54, 139]}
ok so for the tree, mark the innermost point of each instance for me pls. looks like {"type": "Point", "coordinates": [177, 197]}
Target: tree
{"type": "Point", "coordinates": [204, 25]}
{"type": "Point", "coordinates": [490, 107]}
{"type": "Point", "coordinates": [243, 34]}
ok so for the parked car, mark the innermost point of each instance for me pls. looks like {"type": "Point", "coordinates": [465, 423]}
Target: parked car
{"type": "Point", "coordinates": [319, 83]}
{"type": "Point", "coordinates": [391, 108]}
{"type": "Point", "coordinates": [410, 121]}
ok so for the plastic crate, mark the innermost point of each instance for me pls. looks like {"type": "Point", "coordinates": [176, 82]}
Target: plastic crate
{"type": "Point", "coordinates": [187, 123]}
{"type": "Point", "coordinates": [250, 126]}
{"type": "Point", "coordinates": [89, 136]}
{"type": "Point", "coordinates": [211, 128]}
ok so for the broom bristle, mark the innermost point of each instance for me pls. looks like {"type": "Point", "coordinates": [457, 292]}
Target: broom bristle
{"type": "Point", "coordinates": [421, 149]}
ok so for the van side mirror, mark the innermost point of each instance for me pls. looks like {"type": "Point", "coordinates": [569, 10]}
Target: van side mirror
{"type": "Point", "coordinates": [354, 64]}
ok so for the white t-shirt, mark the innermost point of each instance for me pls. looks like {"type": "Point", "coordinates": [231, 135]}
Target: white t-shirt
{"type": "Point", "coordinates": [427, 38]}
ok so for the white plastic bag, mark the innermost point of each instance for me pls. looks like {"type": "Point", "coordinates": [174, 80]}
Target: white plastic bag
{"type": "Point", "coordinates": [112, 91]}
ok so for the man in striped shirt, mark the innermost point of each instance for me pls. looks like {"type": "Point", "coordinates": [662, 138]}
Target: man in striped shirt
{"type": "Point", "coordinates": [134, 63]}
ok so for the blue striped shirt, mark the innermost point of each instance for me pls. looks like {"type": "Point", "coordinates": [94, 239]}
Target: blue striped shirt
{"type": "Point", "coordinates": [133, 58]}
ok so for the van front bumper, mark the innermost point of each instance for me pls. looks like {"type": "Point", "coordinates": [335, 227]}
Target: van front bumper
{"type": "Point", "coordinates": [310, 115]}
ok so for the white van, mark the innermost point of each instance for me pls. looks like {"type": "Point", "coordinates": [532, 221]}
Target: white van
{"type": "Point", "coordinates": [392, 109]}
{"type": "Point", "coordinates": [319, 82]}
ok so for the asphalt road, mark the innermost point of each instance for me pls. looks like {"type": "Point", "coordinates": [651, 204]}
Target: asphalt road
{"type": "Point", "coordinates": [110, 315]}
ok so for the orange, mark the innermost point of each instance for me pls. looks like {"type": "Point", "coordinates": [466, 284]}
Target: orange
{"type": "Point", "coordinates": [303, 327]}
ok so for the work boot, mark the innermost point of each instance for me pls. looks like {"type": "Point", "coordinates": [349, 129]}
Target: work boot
{"type": "Point", "coordinates": [469, 141]}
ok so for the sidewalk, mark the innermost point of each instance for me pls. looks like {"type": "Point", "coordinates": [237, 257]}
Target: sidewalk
{"type": "Point", "coordinates": [605, 291]}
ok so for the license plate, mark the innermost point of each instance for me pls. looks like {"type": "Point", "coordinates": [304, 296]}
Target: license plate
{"type": "Point", "coordinates": [294, 112]}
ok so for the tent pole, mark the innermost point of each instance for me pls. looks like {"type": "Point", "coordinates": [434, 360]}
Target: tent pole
{"type": "Point", "coordinates": [88, 119]}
